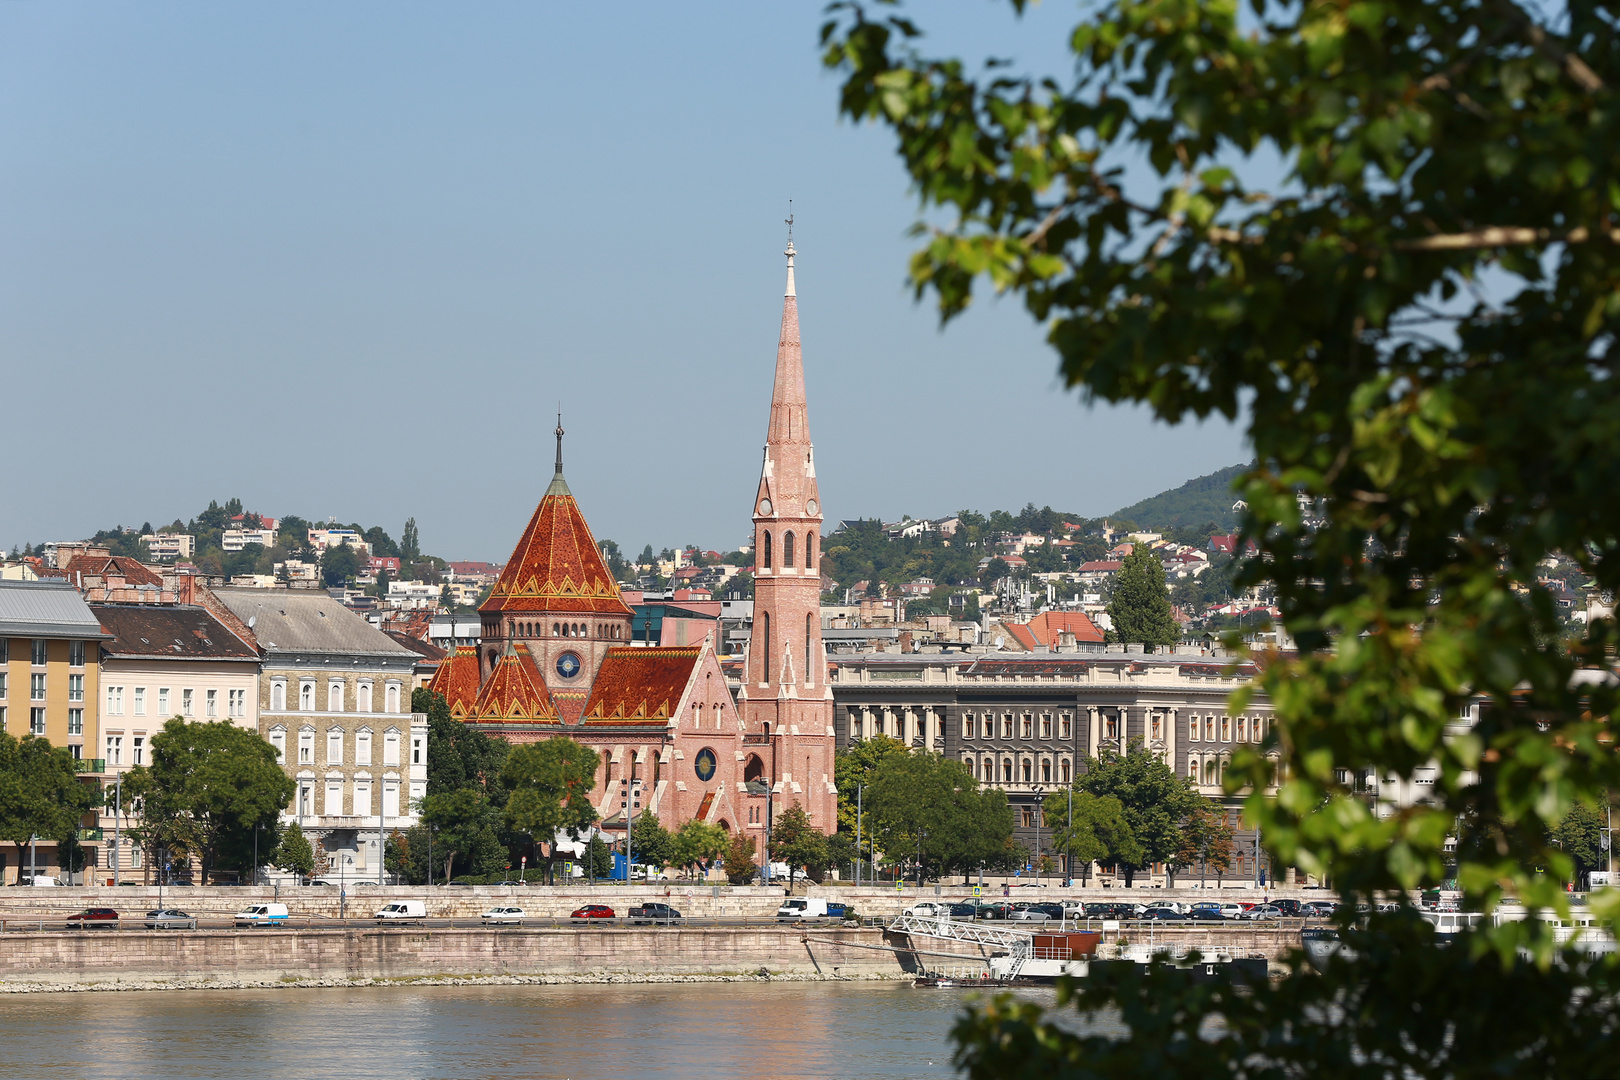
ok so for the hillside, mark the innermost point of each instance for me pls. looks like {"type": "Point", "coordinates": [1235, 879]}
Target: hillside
{"type": "Point", "coordinates": [1208, 498]}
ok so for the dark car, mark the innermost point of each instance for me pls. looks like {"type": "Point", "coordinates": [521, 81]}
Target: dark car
{"type": "Point", "coordinates": [1110, 911]}
{"type": "Point", "coordinates": [1210, 914]}
{"type": "Point", "coordinates": [964, 911]}
{"type": "Point", "coordinates": [1163, 914]}
{"type": "Point", "coordinates": [170, 919]}
{"type": "Point", "coordinates": [593, 911]}
{"type": "Point", "coordinates": [998, 910]}
{"type": "Point", "coordinates": [1289, 908]}
{"type": "Point", "coordinates": [653, 913]}
{"type": "Point", "coordinates": [93, 917]}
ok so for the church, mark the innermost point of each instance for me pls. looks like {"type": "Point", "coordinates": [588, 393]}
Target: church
{"type": "Point", "coordinates": [556, 657]}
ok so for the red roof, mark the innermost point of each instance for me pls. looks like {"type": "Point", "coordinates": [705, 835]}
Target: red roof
{"type": "Point", "coordinates": [1043, 630]}
{"type": "Point", "coordinates": [515, 691]}
{"type": "Point", "coordinates": [556, 566]}
{"type": "Point", "coordinates": [1100, 566]}
{"type": "Point", "coordinates": [457, 680]}
{"type": "Point", "coordinates": [637, 686]}
{"type": "Point", "coordinates": [133, 570]}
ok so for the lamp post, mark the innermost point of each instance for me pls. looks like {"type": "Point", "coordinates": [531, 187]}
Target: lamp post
{"type": "Point", "coordinates": [860, 790]}
{"type": "Point", "coordinates": [1068, 844]}
{"type": "Point", "coordinates": [430, 856]}
{"type": "Point", "coordinates": [1039, 793]}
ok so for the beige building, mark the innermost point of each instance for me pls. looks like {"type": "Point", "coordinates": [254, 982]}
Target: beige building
{"type": "Point", "coordinates": [334, 701]}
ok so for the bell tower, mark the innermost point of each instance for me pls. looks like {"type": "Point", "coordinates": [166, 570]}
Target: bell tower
{"type": "Point", "coordinates": [786, 704]}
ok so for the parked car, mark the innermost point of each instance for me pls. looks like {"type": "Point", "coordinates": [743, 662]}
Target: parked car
{"type": "Point", "coordinates": [1037, 913]}
{"type": "Point", "coordinates": [1318, 909]}
{"type": "Point", "coordinates": [262, 915]}
{"type": "Point", "coordinates": [170, 919]}
{"type": "Point", "coordinates": [1074, 909]}
{"type": "Point", "coordinates": [653, 913]}
{"type": "Point", "coordinates": [90, 918]}
{"type": "Point", "coordinates": [401, 909]}
{"type": "Point", "coordinates": [1289, 908]}
{"type": "Point", "coordinates": [509, 883]}
{"type": "Point", "coordinates": [926, 910]}
{"type": "Point", "coordinates": [497, 916]}
{"type": "Point", "coordinates": [1262, 911]}
{"type": "Point", "coordinates": [811, 907]}
{"type": "Point", "coordinates": [593, 911]}
{"type": "Point", "coordinates": [43, 881]}
{"type": "Point", "coordinates": [1232, 910]}
{"type": "Point", "coordinates": [1111, 911]}
{"type": "Point", "coordinates": [1205, 914]}
{"type": "Point", "coordinates": [964, 911]}
{"type": "Point", "coordinates": [1163, 914]}
{"type": "Point", "coordinates": [997, 910]}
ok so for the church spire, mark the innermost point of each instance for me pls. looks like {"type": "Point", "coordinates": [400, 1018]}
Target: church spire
{"type": "Point", "coordinates": [559, 443]}
{"type": "Point", "coordinates": [559, 486]}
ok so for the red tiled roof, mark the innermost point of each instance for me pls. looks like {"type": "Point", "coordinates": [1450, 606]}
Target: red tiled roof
{"type": "Point", "coordinates": [1100, 566]}
{"type": "Point", "coordinates": [1022, 634]}
{"type": "Point", "coordinates": [457, 680]}
{"type": "Point", "coordinates": [556, 566]}
{"type": "Point", "coordinates": [1049, 624]}
{"type": "Point", "coordinates": [636, 685]}
{"type": "Point", "coordinates": [515, 691]}
{"type": "Point", "coordinates": [132, 570]}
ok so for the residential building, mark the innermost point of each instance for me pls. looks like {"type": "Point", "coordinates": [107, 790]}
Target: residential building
{"type": "Point", "coordinates": [323, 539]}
{"type": "Point", "coordinates": [50, 681]}
{"type": "Point", "coordinates": [237, 539]}
{"type": "Point", "coordinates": [170, 545]}
{"type": "Point", "coordinates": [334, 701]}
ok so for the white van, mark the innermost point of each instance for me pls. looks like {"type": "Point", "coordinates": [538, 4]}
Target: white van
{"type": "Point", "coordinates": [39, 881]}
{"type": "Point", "coordinates": [262, 915]}
{"type": "Point", "coordinates": [402, 909]}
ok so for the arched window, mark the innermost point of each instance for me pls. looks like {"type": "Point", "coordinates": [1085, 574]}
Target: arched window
{"type": "Point", "coordinates": [306, 696]}
{"type": "Point", "coordinates": [1026, 771]}
{"type": "Point", "coordinates": [765, 564]}
{"type": "Point", "coordinates": [1006, 770]}
{"type": "Point", "coordinates": [278, 695]}
{"type": "Point", "coordinates": [1046, 772]}
{"type": "Point", "coordinates": [765, 643]}
{"type": "Point", "coordinates": [754, 769]}
{"type": "Point", "coordinates": [809, 549]}
{"type": "Point", "coordinates": [556, 629]}
{"type": "Point", "coordinates": [787, 549]}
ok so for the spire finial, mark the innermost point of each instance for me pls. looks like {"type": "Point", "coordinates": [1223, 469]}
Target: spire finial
{"type": "Point", "coordinates": [559, 442]}
{"type": "Point", "coordinates": [789, 252]}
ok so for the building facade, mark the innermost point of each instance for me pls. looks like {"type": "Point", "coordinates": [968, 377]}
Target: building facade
{"type": "Point", "coordinates": [334, 702]}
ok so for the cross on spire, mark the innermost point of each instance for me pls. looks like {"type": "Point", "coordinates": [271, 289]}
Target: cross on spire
{"type": "Point", "coordinates": [559, 442]}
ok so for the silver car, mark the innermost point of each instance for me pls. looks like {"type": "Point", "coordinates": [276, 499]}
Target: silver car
{"type": "Point", "coordinates": [1262, 911]}
{"type": "Point", "coordinates": [170, 919]}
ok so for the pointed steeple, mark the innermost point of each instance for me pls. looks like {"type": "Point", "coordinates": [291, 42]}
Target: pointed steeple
{"type": "Point", "coordinates": [559, 486]}
{"type": "Point", "coordinates": [788, 482]}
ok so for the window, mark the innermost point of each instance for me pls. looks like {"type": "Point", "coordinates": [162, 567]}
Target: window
{"type": "Point", "coordinates": [390, 791]}
{"type": "Point", "coordinates": [969, 726]}
{"type": "Point", "coordinates": [2, 682]}
{"type": "Point", "coordinates": [765, 641]}
{"type": "Point", "coordinates": [75, 721]}
{"type": "Point", "coordinates": [1046, 772]}
{"type": "Point", "coordinates": [213, 704]}
{"type": "Point", "coordinates": [1028, 727]}
{"type": "Point", "coordinates": [765, 564]}
{"type": "Point", "coordinates": [5, 650]}
{"type": "Point", "coordinates": [36, 721]}
{"type": "Point", "coordinates": [989, 728]}
{"type": "Point", "coordinates": [334, 746]}
{"type": "Point", "coordinates": [362, 697]}
{"type": "Point", "coordinates": [1026, 770]}
{"type": "Point", "coordinates": [115, 749]}
{"type": "Point", "coordinates": [1063, 770]}
{"type": "Point", "coordinates": [306, 696]}
{"type": "Point", "coordinates": [1026, 818]}
{"type": "Point", "coordinates": [1226, 729]}
{"type": "Point", "coordinates": [186, 708]}
{"type": "Point", "coordinates": [809, 549]}
{"type": "Point", "coordinates": [1046, 727]}
{"type": "Point", "coordinates": [416, 748]}
{"type": "Point", "coordinates": [238, 702]}
{"type": "Point", "coordinates": [138, 750]}
{"type": "Point", "coordinates": [306, 746]}
{"type": "Point", "coordinates": [334, 797]}
{"type": "Point", "coordinates": [809, 637]}
{"type": "Point", "coordinates": [787, 549]}
{"type": "Point", "coordinates": [1111, 727]}
{"type": "Point", "coordinates": [2, 717]}
{"type": "Point", "coordinates": [163, 701]}
{"type": "Point", "coordinates": [140, 701]}
{"type": "Point", "coordinates": [278, 739]}
{"type": "Point", "coordinates": [36, 688]}
{"type": "Point", "coordinates": [41, 652]}
{"type": "Point", "coordinates": [115, 701]}
{"type": "Point", "coordinates": [1158, 726]}
{"type": "Point", "coordinates": [334, 696]}
{"type": "Point", "coordinates": [1258, 730]}
{"type": "Point", "coordinates": [76, 654]}
{"type": "Point", "coordinates": [1065, 727]}
{"type": "Point", "coordinates": [1006, 770]}
{"type": "Point", "coordinates": [393, 697]}
{"type": "Point", "coordinates": [362, 796]}
{"type": "Point", "coordinates": [391, 746]}
{"type": "Point", "coordinates": [1209, 729]}
{"type": "Point", "coordinates": [77, 751]}
{"type": "Point", "coordinates": [278, 695]}
{"type": "Point", "coordinates": [362, 746]}
{"type": "Point", "coordinates": [1006, 726]}
{"type": "Point", "coordinates": [1243, 729]}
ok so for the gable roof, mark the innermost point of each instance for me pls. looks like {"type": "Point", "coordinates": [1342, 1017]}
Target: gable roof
{"type": "Point", "coordinates": [47, 609]}
{"type": "Point", "coordinates": [133, 570]}
{"type": "Point", "coordinates": [457, 679]}
{"type": "Point", "coordinates": [514, 691]}
{"type": "Point", "coordinates": [556, 566]}
{"type": "Point", "coordinates": [640, 686]}
{"type": "Point", "coordinates": [306, 621]}
{"type": "Point", "coordinates": [170, 632]}
{"type": "Point", "coordinates": [1049, 624]}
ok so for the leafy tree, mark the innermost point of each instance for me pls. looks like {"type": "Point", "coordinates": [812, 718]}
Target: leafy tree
{"type": "Point", "coordinates": [1100, 833]}
{"type": "Point", "coordinates": [653, 844]}
{"type": "Point", "coordinates": [551, 784]}
{"type": "Point", "coordinates": [464, 823]}
{"type": "Point", "coordinates": [338, 565]}
{"type": "Point", "coordinates": [697, 844]}
{"type": "Point", "coordinates": [40, 794]}
{"type": "Point", "coordinates": [797, 842]}
{"type": "Point", "coordinates": [410, 543]}
{"type": "Point", "coordinates": [615, 560]}
{"type": "Point", "coordinates": [1206, 839]}
{"type": "Point", "coordinates": [1580, 836]}
{"type": "Point", "coordinates": [853, 766]}
{"type": "Point", "coordinates": [457, 756]}
{"type": "Point", "coordinates": [739, 586]}
{"type": "Point", "coordinates": [208, 781]}
{"type": "Point", "coordinates": [294, 854]}
{"type": "Point", "coordinates": [994, 571]}
{"type": "Point", "coordinates": [1140, 605]}
{"type": "Point", "coordinates": [1421, 446]}
{"type": "Point", "coordinates": [930, 808]}
{"type": "Point", "coordinates": [739, 863]}
{"type": "Point", "coordinates": [382, 545]}
{"type": "Point", "coordinates": [1155, 800]}
{"type": "Point", "coordinates": [598, 858]}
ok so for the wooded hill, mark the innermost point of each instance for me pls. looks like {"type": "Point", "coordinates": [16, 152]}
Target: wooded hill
{"type": "Point", "coordinates": [1195, 503]}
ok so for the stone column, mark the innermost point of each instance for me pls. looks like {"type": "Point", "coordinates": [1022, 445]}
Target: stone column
{"type": "Point", "coordinates": [1093, 730]}
{"type": "Point", "coordinates": [1170, 742]}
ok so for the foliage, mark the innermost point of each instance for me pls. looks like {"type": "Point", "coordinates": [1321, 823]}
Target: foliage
{"type": "Point", "coordinates": [457, 756]}
{"type": "Point", "coordinates": [1206, 839]}
{"type": "Point", "coordinates": [1101, 832]}
{"type": "Point", "coordinates": [1580, 836]}
{"type": "Point", "coordinates": [1421, 447]}
{"type": "Point", "coordinates": [927, 808]}
{"type": "Point", "coordinates": [739, 861]}
{"type": "Point", "coordinates": [797, 842]}
{"type": "Point", "coordinates": [1140, 604]}
{"type": "Point", "coordinates": [1156, 803]}
{"type": "Point", "coordinates": [598, 859]}
{"type": "Point", "coordinates": [40, 794]}
{"type": "Point", "coordinates": [464, 832]}
{"type": "Point", "coordinates": [294, 854]}
{"type": "Point", "coordinates": [653, 843]}
{"type": "Point", "coordinates": [1204, 499]}
{"type": "Point", "coordinates": [698, 843]}
{"type": "Point", "coordinates": [853, 766]}
{"type": "Point", "coordinates": [410, 543]}
{"type": "Point", "coordinates": [208, 782]}
{"type": "Point", "coordinates": [339, 565]}
{"type": "Point", "coordinates": [551, 784]}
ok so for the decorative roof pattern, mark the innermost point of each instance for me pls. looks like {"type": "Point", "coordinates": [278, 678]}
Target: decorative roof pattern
{"type": "Point", "coordinates": [514, 691]}
{"type": "Point", "coordinates": [556, 566]}
{"type": "Point", "coordinates": [637, 686]}
{"type": "Point", "coordinates": [457, 680]}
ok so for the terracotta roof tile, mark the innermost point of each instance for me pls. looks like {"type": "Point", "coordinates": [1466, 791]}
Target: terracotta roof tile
{"type": "Point", "coordinates": [133, 570]}
{"type": "Point", "coordinates": [556, 566]}
{"type": "Point", "coordinates": [637, 685]}
{"type": "Point", "coordinates": [457, 680]}
{"type": "Point", "coordinates": [514, 691]}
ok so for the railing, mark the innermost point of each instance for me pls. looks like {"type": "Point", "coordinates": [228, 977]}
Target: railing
{"type": "Point", "coordinates": [90, 765]}
{"type": "Point", "coordinates": [89, 836]}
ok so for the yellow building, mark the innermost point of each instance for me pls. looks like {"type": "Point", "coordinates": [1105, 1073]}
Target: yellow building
{"type": "Point", "coordinates": [50, 683]}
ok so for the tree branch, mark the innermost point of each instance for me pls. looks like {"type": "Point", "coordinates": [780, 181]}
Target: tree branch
{"type": "Point", "coordinates": [1501, 236]}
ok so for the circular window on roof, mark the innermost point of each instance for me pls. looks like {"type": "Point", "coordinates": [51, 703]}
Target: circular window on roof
{"type": "Point", "coordinates": [568, 665]}
{"type": "Point", "coordinates": [704, 765]}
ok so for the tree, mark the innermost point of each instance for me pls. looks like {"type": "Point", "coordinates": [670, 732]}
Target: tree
{"type": "Point", "coordinates": [1206, 839]}
{"type": "Point", "coordinates": [739, 864]}
{"type": "Point", "coordinates": [208, 782]}
{"type": "Point", "coordinates": [615, 560]}
{"type": "Point", "coordinates": [853, 767]}
{"type": "Point", "coordinates": [697, 844]}
{"type": "Point", "coordinates": [1140, 605]}
{"type": "Point", "coordinates": [1155, 802]}
{"type": "Point", "coordinates": [654, 846]}
{"type": "Point", "coordinates": [551, 784]}
{"type": "Point", "coordinates": [382, 584]}
{"type": "Point", "coordinates": [457, 756]}
{"type": "Point", "coordinates": [294, 854]}
{"type": "Point", "coordinates": [40, 794]}
{"type": "Point", "coordinates": [598, 858]}
{"type": "Point", "coordinates": [797, 842]}
{"type": "Point", "coordinates": [1100, 833]}
{"type": "Point", "coordinates": [463, 823]}
{"type": "Point", "coordinates": [931, 811]}
{"type": "Point", "coordinates": [1422, 443]}
{"type": "Point", "coordinates": [338, 565]}
{"type": "Point", "coordinates": [1580, 836]}
{"type": "Point", "coordinates": [410, 544]}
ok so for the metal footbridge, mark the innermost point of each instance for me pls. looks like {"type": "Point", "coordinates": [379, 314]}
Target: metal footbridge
{"type": "Point", "coordinates": [1018, 945]}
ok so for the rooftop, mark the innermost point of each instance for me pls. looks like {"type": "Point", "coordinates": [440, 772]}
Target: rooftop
{"type": "Point", "coordinates": [171, 631]}
{"type": "Point", "coordinates": [305, 621]}
{"type": "Point", "coordinates": [46, 609]}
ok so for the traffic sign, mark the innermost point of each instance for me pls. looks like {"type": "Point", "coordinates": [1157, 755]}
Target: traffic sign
{"type": "Point", "coordinates": [978, 890]}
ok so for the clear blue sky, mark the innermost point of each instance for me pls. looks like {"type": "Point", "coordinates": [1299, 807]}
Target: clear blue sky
{"type": "Point", "coordinates": [345, 259]}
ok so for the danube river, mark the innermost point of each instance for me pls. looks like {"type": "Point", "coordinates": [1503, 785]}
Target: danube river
{"type": "Point", "coordinates": [643, 1031]}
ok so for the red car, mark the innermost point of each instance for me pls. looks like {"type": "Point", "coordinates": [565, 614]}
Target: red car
{"type": "Point", "coordinates": [92, 917]}
{"type": "Point", "coordinates": [593, 911]}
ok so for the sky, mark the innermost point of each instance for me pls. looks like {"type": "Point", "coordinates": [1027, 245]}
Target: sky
{"type": "Point", "coordinates": [348, 259]}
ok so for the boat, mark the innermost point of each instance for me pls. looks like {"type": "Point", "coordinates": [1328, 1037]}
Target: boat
{"type": "Point", "coordinates": [1321, 943]}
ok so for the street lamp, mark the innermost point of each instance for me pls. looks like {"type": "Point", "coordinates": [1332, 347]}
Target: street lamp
{"type": "Point", "coordinates": [1039, 792]}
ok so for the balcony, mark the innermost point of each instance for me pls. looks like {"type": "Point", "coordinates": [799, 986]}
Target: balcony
{"type": "Point", "coordinates": [89, 836]}
{"type": "Point", "coordinates": [90, 765]}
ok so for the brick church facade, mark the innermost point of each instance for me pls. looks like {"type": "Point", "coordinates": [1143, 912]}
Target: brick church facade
{"type": "Point", "coordinates": [556, 655]}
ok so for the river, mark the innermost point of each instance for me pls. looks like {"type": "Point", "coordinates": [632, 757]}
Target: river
{"type": "Point", "coordinates": [664, 1031]}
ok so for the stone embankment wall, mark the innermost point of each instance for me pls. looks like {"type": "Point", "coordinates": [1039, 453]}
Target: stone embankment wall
{"type": "Point", "coordinates": [146, 956]}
